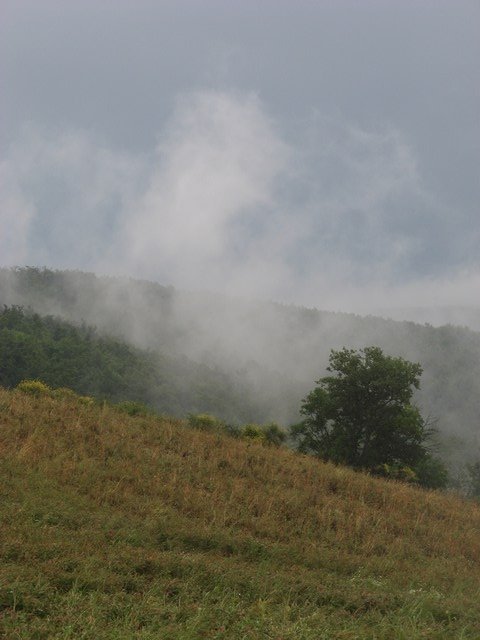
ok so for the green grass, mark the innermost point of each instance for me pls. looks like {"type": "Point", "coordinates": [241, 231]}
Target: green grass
{"type": "Point", "coordinates": [122, 527]}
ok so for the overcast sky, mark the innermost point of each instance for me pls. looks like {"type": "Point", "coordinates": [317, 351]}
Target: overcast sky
{"type": "Point", "coordinates": [325, 153]}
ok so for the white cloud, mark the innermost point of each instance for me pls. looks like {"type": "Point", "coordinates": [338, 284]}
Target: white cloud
{"type": "Point", "coordinates": [338, 219]}
{"type": "Point", "coordinates": [64, 193]}
{"type": "Point", "coordinates": [210, 185]}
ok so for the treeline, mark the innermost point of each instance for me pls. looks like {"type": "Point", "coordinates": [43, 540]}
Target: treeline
{"type": "Point", "coordinates": [78, 357]}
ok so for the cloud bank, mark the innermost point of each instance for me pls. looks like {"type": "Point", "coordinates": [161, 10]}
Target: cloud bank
{"type": "Point", "coordinates": [337, 217]}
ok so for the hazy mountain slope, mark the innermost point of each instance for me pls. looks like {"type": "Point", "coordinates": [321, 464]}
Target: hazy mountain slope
{"type": "Point", "coordinates": [277, 350]}
{"type": "Point", "coordinates": [118, 527]}
{"type": "Point", "coordinates": [64, 355]}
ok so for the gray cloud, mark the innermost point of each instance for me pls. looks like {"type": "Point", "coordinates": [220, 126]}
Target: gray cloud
{"type": "Point", "coordinates": [339, 218]}
{"type": "Point", "coordinates": [61, 195]}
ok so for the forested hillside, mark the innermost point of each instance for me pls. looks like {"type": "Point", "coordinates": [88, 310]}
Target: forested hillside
{"type": "Point", "coordinates": [267, 354]}
{"type": "Point", "coordinates": [77, 357]}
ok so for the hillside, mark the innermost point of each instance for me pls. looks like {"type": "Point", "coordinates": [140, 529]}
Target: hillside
{"type": "Point", "coordinates": [66, 355]}
{"type": "Point", "coordinates": [256, 360]}
{"type": "Point", "coordinates": [137, 527]}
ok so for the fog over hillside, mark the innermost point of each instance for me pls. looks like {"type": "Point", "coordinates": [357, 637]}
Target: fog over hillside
{"type": "Point", "coordinates": [278, 350]}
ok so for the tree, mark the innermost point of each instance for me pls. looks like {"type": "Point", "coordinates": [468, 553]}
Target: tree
{"type": "Point", "coordinates": [362, 415]}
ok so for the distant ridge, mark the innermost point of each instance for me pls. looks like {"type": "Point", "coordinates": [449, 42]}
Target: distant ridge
{"type": "Point", "coordinates": [467, 317]}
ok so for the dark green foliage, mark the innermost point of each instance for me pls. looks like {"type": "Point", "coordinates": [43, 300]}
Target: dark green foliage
{"type": "Point", "coordinates": [431, 472]}
{"type": "Point", "coordinates": [61, 354]}
{"type": "Point", "coordinates": [274, 434]}
{"type": "Point", "coordinates": [362, 416]}
{"type": "Point", "coordinates": [21, 356]}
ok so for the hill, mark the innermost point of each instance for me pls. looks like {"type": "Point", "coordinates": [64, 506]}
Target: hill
{"type": "Point", "coordinates": [136, 527]}
{"type": "Point", "coordinates": [268, 353]}
{"type": "Point", "coordinates": [65, 355]}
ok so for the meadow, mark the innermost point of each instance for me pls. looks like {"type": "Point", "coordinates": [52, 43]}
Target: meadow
{"type": "Point", "coordinates": [138, 527]}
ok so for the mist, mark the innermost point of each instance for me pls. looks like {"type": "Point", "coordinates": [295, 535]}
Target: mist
{"type": "Point", "coordinates": [336, 218]}
{"type": "Point", "coordinates": [266, 355]}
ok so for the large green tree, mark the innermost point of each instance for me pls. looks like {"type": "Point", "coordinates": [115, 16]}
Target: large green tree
{"type": "Point", "coordinates": [362, 415]}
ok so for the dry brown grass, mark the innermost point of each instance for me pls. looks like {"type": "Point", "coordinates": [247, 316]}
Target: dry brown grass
{"type": "Point", "coordinates": [215, 503]}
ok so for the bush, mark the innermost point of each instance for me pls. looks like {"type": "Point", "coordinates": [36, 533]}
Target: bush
{"type": "Point", "coordinates": [64, 393]}
{"type": "Point", "coordinates": [35, 388]}
{"type": "Point", "coordinates": [269, 434]}
{"type": "Point", "coordinates": [205, 422]}
{"type": "Point", "coordinates": [274, 435]}
{"type": "Point", "coordinates": [253, 432]}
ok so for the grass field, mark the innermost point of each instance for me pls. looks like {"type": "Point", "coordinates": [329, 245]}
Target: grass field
{"type": "Point", "coordinates": [126, 527]}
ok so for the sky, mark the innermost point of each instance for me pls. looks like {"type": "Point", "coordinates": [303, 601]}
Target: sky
{"type": "Point", "coordinates": [322, 153]}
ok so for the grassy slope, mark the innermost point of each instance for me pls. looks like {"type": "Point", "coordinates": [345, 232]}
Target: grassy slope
{"type": "Point", "coordinates": [121, 527]}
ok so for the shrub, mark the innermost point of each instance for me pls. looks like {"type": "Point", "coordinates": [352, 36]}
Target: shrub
{"type": "Point", "coordinates": [63, 393]}
{"type": "Point", "coordinates": [274, 434]}
{"type": "Point", "coordinates": [254, 432]}
{"type": "Point", "coordinates": [205, 422]}
{"type": "Point", "coordinates": [269, 434]}
{"type": "Point", "coordinates": [35, 388]}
